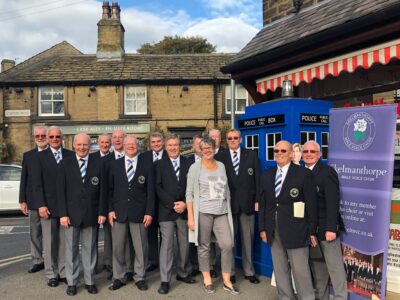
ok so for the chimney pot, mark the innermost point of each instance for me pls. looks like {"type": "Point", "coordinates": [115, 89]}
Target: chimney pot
{"type": "Point", "coordinates": [106, 10]}
{"type": "Point", "coordinates": [115, 11]}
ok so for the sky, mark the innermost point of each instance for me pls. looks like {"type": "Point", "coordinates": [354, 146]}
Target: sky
{"type": "Point", "coordinates": [30, 27]}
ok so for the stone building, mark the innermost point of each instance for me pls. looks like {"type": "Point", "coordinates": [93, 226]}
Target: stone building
{"type": "Point", "coordinates": [96, 93]}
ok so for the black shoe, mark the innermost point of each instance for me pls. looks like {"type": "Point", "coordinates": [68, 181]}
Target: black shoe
{"type": "Point", "coordinates": [186, 279]}
{"type": "Point", "coordinates": [213, 274]}
{"type": "Point", "coordinates": [117, 284]}
{"type": "Point", "coordinates": [252, 279]}
{"type": "Point", "coordinates": [36, 268]}
{"type": "Point", "coordinates": [233, 279]}
{"type": "Point", "coordinates": [63, 279]}
{"type": "Point", "coordinates": [151, 267]}
{"type": "Point", "coordinates": [128, 276]}
{"type": "Point", "coordinates": [141, 285]}
{"type": "Point", "coordinates": [53, 282]}
{"type": "Point", "coordinates": [107, 268]}
{"type": "Point", "coordinates": [194, 273]}
{"type": "Point", "coordinates": [71, 290]}
{"type": "Point", "coordinates": [164, 288]}
{"type": "Point", "coordinates": [92, 289]}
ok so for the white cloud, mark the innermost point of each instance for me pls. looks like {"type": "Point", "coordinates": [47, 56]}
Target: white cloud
{"type": "Point", "coordinates": [228, 34]}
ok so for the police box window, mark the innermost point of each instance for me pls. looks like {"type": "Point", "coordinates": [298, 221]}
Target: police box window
{"type": "Point", "coordinates": [51, 101]}
{"type": "Point", "coordinates": [306, 136]}
{"type": "Point", "coordinates": [272, 139]}
{"type": "Point", "coordinates": [324, 144]}
{"type": "Point", "coordinates": [241, 98]}
{"type": "Point", "coordinates": [252, 142]}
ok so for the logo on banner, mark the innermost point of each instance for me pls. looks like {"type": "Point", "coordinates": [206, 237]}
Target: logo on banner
{"type": "Point", "coordinates": [359, 131]}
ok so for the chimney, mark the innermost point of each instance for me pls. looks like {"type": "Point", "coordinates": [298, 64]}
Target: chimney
{"type": "Point", "coordinates": [110, 34]}
{"type": "Point", "coordinates": [7, 64]}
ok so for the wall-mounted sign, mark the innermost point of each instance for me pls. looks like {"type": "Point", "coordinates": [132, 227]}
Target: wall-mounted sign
{"type": "Point", "coordinates": [17, 113]}
{"type": "Point", "coordinates": [262, 121]}
{"type": "Point", "coordinates": [104, 128]}
{"type": "Point", "coordinates": [314, 118]}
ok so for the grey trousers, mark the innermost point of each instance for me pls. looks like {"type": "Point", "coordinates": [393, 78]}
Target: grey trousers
{"type": "Point", "coordinates": [138, 234]}
{"type": "Point", "coordinates": [35, 229]}
{"type": "Point", "coordinates": [246, 224]}
{"type": "Point", "coordinates": [167, 230]}
{"type": "Point", "coordinates": [53, 248]}
{"type": "Point", "coordinates": [219, 225]}
{"type": "Point", "coordinates": [88, 238]}
{"type": "Point", "coordinates": [295, 260]}
{"type": "Point", "coordinates": [330, 266]}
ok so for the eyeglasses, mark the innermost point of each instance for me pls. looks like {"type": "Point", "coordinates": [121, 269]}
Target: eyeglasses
{"type": "Point", "coordinates": [310, 151]}
{"type": "Point", "coordinates": [42, 136]}
{"type": "Point", "coordinates": [280, 150]}
{"type": "Point", "coordinates": [207, 148]}
{"type": "Point", "coordinates": [233, 138]}
{"type": "Point", "coordinates": [54, 136]}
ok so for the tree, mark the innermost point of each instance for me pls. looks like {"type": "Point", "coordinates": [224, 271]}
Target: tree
{"type": "Point", "coordinates": [178, 45]}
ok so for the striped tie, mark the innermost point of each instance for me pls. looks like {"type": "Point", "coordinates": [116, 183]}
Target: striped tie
{"type": "Point", "coordinates": [176, 169]}
{"type": "Point", "coordinates": [278, 182]}
{"type": "Point", "coordinates": [235, 162]}
{"type": "Point", "coordinates": [58, 156]}
{"type": "Point", "coordinates": [130, 172]}
{"type": "Point", "coordinates": [82, 168]}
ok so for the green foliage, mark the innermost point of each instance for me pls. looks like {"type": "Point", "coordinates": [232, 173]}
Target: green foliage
{"type": "Point", "coordinates": [178, 45]}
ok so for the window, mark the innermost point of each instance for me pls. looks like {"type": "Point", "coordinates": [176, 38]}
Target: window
{"type": "Point", "coordinates": [135, 100]}
{"type": "Point", "coordinates": [51, 101]}
{"type": "Point", "coordinates": [324, 144]}
{"type": "Point", "coordinates": [240, 96]}
{"type": "Point", "coordinates": [306, 136]}
{"type": "Point", "coordinates": [252, 142]}
{"type": "Point", "coordinates": [10, 173]}
{"type": "Point", "coordinates": [272, 139]}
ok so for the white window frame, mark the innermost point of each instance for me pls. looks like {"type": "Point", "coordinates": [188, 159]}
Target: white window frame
{"type": "Point", "coordinates": [126, 112]}
{"type": "Point", "coordinates": [271, 146]}
{"type": "Point", "coordinates": [323, 146]}
{"type": "Point", "coordinates": [228, 99]}
{"type": "Point", "coordinates": [52, 100]}
{"type": "Point", "coordinates": [252, 141]}
{"type": "Point", "coordinates": [308, 136]}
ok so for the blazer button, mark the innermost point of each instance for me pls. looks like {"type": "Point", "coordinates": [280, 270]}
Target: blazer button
{"type": "Point", "coordinates": [129, 200]}
{"type": "Point", "coordinates": [277, 204]}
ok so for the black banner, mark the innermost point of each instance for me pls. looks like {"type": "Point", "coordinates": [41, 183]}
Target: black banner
{"type": "Point", "coordinates": [314, 118]}
{"type": "Point", "coordinates": [261, 121]}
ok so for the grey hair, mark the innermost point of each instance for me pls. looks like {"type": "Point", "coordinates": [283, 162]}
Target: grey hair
{"type": "Point", "coordinates": [314, 143]}
{"type": "Point", "coordinates": [172, 136]}
{"type": "Point", "coordinates": [106, 135]}
{"type": "Point", "coordinates": [207, 140]}
{"type": "Point", "coordinates": [54, 128]}
{"type": "Point", "coordinates": [81, 134]}
{"type": "Point", "coordinates": [157, 134]}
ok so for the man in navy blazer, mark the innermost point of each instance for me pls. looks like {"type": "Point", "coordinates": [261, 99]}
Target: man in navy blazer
{"type": "Point", "coordinates": [329, 226]}
{"type": "Point", "coordinates": [287, 222]}
{"type": "Point", "coordinates": [78, 191]}
{"type": "Point", "coordinates": [45, 193]}
{"type": "Point", "coordinates": [27, 200]}
{"type": "Point", "coordinates": [131, 211]}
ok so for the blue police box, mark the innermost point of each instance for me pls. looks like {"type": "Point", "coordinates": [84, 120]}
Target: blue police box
{"type": "Point", "coordinates": [262, 126]}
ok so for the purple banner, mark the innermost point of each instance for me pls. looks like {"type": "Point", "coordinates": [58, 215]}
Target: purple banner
{"type": "Point", "coordinates": [361, 149]}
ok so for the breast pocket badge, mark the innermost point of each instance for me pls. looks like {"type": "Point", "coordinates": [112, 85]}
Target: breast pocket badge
{"type": "Point", "coordinates": [142, 179]}
{"type": "Point", "coordinates": [95, 180]}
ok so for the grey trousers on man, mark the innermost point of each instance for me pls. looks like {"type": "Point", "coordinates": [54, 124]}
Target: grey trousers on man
{"type": "Point", "coordinates": [35, 229]}
{"type": "Point", "coordinates": [89, 254]}
{"type": "Point", "coordinates": [138, 234]}
{"type": "Point", "coordinates": [295, 260]}
{"type": "Point", "coordinates": [246, 224]}
{"type": "Point", "coordinates": [219, 225]}
{"type": "Point", "coordinates": [329, 266]}
{"type": "Point", "coordinates": [167, 229]}
{"type": "Point", "coordinates": [53, 248]}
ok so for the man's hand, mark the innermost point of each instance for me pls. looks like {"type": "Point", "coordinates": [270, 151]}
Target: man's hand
{"type": "Point", "coordinates": [101, 219]}
{"type": "Point", "coordinates": [190, 224]}
{"type": "Point", "coordinates": [179, 207]}
{"type": "Point", "coordinates": [64, 221]}
{"type": "Point", "coordinates": [44, 212]}
{"type": "Point", "coordinates": [24, 208]}
{"type": "Point", "coordinates": [330, 236]}
{"type": "Point", "coordinates": [314, 241]}
{"type": "Point", "coordinates": [256, 207]}
{"type": "Point", "coordinates": [263, 236]}
{"type": "Point", "coordinates": [147, 220]}
{"type": "Point", "coordinates": [111, 218]}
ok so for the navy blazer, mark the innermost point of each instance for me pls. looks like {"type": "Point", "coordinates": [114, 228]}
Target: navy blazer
{"type": "Point", "coordinates": [26, 183]}
{"type": "Point", "coordinates": [80, 200]}
{"type": "Point", "coordinates": [328, 204]}
{"type": "Point", "coordinates": [45, 180]}
{"type": "Point", "coordinates": [131, 201]}
{"type": "Point", "coordinates": [244, 187]}
{"type": "Point", "coordinates": [298, 186]}
{"type": "Point", "coordinates": [169, 189]}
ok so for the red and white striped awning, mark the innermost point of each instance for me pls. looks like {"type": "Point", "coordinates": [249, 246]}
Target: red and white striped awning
{"type": "Point", "coordinates": [365, 58]}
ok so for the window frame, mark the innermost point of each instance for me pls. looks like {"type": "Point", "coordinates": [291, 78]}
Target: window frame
{"type": "Point", "coordinates": [323, 146]}
{"type": "Point", "coordinates": [267, 147]}
{"type": "Point", "coordinates": [126, 87]}
{"type": "Point", "coordinates": [40, 113]}
{"type": "Point", "coordinates": [252, 142]}
{"type": "Point", "coordinates": [227, 110]}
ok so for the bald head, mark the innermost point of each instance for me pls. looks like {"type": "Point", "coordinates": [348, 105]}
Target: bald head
{"type": "Point", "coordinates": [283, 153]}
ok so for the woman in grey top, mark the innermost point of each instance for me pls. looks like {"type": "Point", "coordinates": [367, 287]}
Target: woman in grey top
{"type": "Point", "coordinates": [209, 211]}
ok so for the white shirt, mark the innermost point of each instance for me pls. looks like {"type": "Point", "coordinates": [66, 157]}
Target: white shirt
{"type": "Point", "coordinates": [311, 167]}
{"type": "Point", "coordinates": [237, 151]}
{"type": "Point", "coordinates": [196, 157]}
{"type": "Point", "coordinates": [178, 161]}
{"type": "Point", "coordinates": [284, 170]}
{"type": "Point", "coordinates": [55, 151]}
{"type": "Point", "coordinates": [40, 150]}
{"type": "Point", "coordinates": [159, 155]}
{"type": "Point", "coordinates": [85, 158]}
{"type": "Point", "coordinates": [134, 162]}
{"type": "Point", "coordinates": [118, 154]}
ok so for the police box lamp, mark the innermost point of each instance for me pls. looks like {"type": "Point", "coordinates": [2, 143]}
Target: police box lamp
{"type": "Point", "coordinates": [287, 88]}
